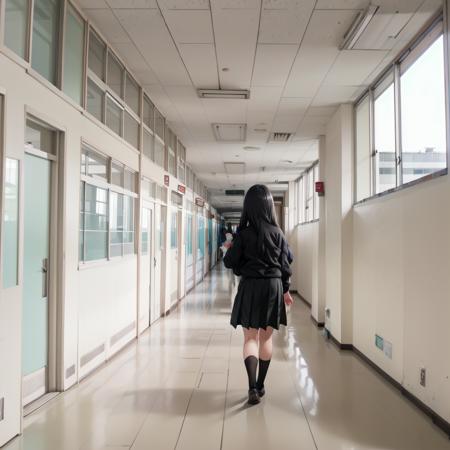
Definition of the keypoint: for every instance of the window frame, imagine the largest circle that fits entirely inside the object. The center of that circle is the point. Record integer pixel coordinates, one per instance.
(413, 51)
(301, 188)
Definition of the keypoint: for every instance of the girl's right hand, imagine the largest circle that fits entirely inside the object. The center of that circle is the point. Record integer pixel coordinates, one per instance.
(288, 300)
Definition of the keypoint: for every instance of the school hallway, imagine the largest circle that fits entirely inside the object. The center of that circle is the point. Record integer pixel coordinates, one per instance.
(183, 386)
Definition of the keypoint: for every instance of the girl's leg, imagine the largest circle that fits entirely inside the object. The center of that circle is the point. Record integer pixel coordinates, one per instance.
(265, 355)
(251, 355)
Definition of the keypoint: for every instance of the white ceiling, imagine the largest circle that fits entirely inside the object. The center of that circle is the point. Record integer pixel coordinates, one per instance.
(284, 51)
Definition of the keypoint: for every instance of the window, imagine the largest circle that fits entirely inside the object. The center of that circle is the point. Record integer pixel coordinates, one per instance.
(131, 133)
(95, 100)
(113, 115)
(362, 115)
(309, 195)
(172, 168)
(16, 26)
(189, 219)
(145, 229)
(181, 156)
(45, 38)
(149, 116)
(11, 224)
(409, 141)
(423, 114)
(73, 56)
(132, 94)
(94, 225)
(306, 198)
(384, 135)
(116, 224)
(106, 211)
(149, 145)
(159, 152)
(159, 124)
(174, 230)
(97, 55)
(316, 195)
(115, 74)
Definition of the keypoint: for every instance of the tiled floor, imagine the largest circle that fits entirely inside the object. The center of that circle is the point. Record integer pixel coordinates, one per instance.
(183, 386)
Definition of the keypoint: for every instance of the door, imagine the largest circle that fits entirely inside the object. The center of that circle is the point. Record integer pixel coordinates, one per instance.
(147, 302)
(189, 252)
(174, 255)
(35, 309)
(200, 248)
(159, 227)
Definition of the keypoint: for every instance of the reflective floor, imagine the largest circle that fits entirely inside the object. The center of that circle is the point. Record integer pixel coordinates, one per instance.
(183, 386)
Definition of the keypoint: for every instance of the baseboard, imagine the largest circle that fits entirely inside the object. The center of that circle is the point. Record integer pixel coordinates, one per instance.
(316, 323)
(436, 418)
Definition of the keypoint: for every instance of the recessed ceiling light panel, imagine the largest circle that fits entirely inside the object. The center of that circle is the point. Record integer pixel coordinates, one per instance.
(236, 94)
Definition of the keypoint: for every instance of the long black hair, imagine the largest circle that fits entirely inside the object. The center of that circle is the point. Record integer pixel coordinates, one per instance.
(258, 210)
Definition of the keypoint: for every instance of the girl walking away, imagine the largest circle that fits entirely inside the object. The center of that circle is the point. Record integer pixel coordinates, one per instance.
(261, 256)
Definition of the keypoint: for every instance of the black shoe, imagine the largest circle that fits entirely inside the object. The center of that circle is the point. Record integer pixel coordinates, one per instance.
(253, 398)
(261, 391)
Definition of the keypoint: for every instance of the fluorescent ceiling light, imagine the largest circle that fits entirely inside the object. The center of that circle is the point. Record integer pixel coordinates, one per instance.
(242, 94)
(358, 27)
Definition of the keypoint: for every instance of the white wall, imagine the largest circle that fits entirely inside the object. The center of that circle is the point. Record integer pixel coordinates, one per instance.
(401, 287)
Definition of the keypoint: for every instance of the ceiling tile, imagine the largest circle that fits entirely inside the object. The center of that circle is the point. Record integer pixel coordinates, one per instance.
(131, 57)
(201, 63)
(352, 67)
(120, 4)
(272, 64)
(190, 26)
(108, 25)
(290, 113)
(237, 4)
(285, 26)
(184, 4)
(93, 4)
(236, 49)
(334, 95)
(341, 4)
(318, 52)
(150, 34)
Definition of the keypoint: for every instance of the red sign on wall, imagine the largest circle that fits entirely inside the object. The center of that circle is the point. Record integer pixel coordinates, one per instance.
(182, 189)
(320, 188)
(166, 180)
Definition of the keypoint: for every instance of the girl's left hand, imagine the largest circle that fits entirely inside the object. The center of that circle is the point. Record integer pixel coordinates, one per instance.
(288, 300)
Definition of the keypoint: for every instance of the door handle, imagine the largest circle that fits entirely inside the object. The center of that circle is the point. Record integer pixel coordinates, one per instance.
(154, 262)
(45, 278)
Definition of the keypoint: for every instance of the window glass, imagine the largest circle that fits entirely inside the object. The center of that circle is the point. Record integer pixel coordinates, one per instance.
(201, 237)
(174, 230)
(129, 180)
(117, 174)
(115, 74)
(73, 56)
(45, 38)
(39, 137)
(145, 227)
(384, 129)
(97, 55)
(96, 165)
(11, 223)
(95, 223)
(316, 195)
(116, 224)
(132, 94)
(131, 133)
(423, 114)
(128, 226)
(95, 98)
(113, 116)
(301, 200)
(309, 195)
(16, 20)
(82, 225)
(189, 235)
(149, 145)
(159, 124)
(159, 153)
(363, 149)
(149, 116)
(172, 163)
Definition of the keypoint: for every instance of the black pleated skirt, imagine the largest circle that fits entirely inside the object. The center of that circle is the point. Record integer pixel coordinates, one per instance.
(259, 303)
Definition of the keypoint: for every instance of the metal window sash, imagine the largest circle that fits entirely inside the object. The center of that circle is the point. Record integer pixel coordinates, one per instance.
(398, 130)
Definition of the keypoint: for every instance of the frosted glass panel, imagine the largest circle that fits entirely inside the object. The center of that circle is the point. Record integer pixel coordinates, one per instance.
(115, 74)
(131, 133)
(73, 56)
(116, 224)
(16, 13)
(132, 94)
(45, 38)
(11, 223)
(97, 52)
(95, 100)
(113, 116)
(128, 226)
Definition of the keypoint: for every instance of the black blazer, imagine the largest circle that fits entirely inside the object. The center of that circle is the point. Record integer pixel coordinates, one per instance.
(246, 259)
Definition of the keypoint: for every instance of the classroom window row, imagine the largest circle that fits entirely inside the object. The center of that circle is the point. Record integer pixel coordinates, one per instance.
(400, 122)
(51, 36)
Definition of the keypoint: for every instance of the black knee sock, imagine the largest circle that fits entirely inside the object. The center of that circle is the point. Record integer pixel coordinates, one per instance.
(263, 368)
(251, 363)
